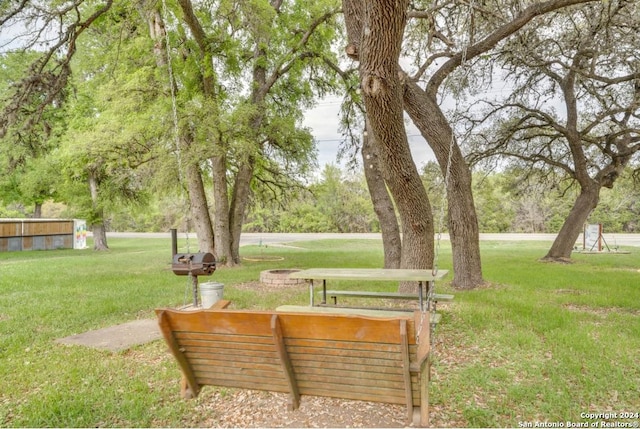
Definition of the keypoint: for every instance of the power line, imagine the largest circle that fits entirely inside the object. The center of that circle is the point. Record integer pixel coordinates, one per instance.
(341, 139)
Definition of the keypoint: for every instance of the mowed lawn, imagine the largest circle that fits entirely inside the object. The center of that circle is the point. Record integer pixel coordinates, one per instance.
(541, 344)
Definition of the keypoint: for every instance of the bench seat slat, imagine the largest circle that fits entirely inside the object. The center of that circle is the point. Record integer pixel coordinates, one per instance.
(443, 297)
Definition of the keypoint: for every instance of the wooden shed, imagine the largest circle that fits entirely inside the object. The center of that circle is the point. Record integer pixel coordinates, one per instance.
(42, 234)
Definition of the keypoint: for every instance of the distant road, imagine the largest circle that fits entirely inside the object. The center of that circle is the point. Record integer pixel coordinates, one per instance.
(612, 240)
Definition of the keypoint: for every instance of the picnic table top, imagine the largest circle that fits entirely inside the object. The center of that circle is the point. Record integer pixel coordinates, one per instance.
(368, 274)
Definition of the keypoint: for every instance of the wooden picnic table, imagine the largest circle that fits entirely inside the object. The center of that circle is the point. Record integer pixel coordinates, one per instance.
(423, 277)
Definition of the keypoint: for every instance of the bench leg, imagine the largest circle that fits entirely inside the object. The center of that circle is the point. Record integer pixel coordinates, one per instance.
(425, 375)
(404, 339)
(422, 322)
(185, 390)
(189, 385)
(287, 368)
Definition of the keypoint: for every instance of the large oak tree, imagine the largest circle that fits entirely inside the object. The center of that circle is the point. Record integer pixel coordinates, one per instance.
(488, 25)
(575, 107)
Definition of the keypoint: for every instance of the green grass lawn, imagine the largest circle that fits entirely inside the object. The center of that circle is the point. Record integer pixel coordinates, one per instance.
(542, 343)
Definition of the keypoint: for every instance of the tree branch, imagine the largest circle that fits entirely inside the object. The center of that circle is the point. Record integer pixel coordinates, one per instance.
(495, 37)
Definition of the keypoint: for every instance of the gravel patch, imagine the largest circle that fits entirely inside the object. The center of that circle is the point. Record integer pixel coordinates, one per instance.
(256, 409)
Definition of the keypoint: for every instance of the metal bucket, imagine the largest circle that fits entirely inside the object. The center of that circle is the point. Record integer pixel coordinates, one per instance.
(211, 292)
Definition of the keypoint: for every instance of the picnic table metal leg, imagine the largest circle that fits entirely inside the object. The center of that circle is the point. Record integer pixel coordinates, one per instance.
(311, 292)
(420, 298)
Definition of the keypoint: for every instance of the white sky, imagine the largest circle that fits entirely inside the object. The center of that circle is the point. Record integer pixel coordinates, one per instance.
(324, 120)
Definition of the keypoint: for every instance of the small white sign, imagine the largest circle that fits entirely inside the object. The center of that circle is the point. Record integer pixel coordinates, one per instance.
(79, 234)
(593, 237)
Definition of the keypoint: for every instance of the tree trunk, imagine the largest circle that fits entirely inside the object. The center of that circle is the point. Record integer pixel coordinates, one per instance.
(97, 215)
(239, 201)
(221, 219)
(199, 209)
(564, 243)
(382, 202)
(37, 210)
(99, 237)
(383, 29)
(463, 223)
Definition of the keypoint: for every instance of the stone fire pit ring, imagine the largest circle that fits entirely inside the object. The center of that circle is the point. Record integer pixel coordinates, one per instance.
(280, 278)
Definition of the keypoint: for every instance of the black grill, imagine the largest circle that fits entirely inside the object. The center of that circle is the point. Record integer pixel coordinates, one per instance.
(195, 264)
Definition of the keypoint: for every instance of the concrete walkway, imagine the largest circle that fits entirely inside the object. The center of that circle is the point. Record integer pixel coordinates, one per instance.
(117, 338)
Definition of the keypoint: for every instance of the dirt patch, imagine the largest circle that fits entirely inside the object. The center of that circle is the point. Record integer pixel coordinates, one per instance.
(569, 292)
(486, 285)
(256, 286)
(256, 409)
(280, 278)
(600, 311)
(263, 258)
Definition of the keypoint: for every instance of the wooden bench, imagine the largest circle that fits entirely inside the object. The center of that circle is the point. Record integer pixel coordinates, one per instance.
(437, 297)
(369, 357)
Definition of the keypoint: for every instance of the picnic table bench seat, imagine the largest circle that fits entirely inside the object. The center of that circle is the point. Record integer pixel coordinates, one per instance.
(368, 356)
(437, 297)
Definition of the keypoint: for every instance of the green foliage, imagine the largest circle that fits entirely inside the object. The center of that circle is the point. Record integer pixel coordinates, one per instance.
(27, 143)
(118, 123)
(305, 218)
(12, 211)
(115, 120)
(494, 207)
(345, 200)
(516, 200)
(337, 203)
(159, 214)
(619, 208)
